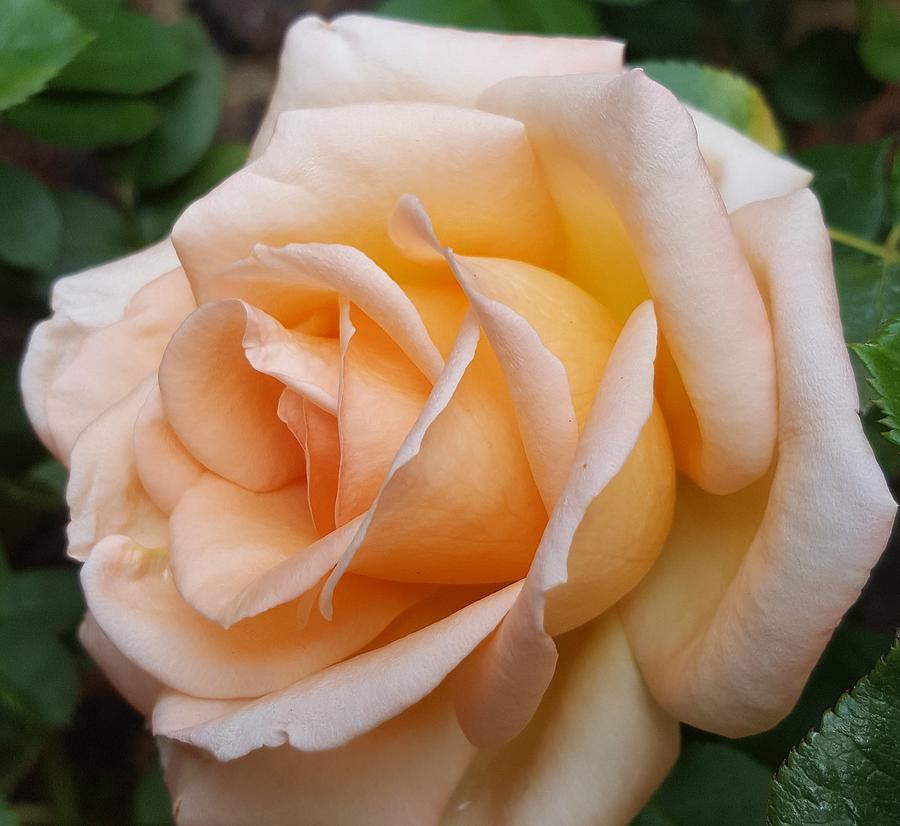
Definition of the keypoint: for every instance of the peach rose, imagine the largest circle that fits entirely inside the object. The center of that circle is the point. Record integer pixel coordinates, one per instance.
(492, 420)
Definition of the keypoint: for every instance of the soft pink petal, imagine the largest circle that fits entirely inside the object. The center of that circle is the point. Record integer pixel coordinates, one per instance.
(399, 774)
(165, 469)
(334, 176)
(637, 147)
(81, 304)
(508, 676)
(743, 170)
(133, 599)
(749, 589)
(337, 705)
(135, 685)
(223, 411)
(104, 493)
(223, 537)
(597, 748)
(357, 59)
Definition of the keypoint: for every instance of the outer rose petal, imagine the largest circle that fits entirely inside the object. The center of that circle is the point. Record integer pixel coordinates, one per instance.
(358, 59)
(108, 369)
(637, 150)
(400, 774)
(594, 752)
(730, 622)
(335, 175)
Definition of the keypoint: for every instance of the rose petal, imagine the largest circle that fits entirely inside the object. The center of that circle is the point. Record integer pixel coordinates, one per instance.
(135, 603)
(638, 148)
(104, 493)
(324, 179)
(400, 774)
(222, 410)
(592, 551)
(597, 748)
(329, 709)
(732, 619)
(743, 170)
(357, 59)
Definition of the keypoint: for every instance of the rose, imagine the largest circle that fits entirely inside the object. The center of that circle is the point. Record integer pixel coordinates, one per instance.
(431, 523)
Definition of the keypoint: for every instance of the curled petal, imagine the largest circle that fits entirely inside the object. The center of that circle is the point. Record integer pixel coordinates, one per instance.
(749, 588)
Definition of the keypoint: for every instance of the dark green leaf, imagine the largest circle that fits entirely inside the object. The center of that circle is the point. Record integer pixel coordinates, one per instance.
(852, 183)
(821, 78)
(36, 663)
(48, 598)
(19, 450)
(473, 14)
(190, 111)
(879, 41)
(7, 816)
(722, 94)
(881, 356)
(152, 805)
(94, 231)
(157, 212)
(847, 772)
(661, 28)
(712, 784)
(92, 13)
(132, 54)
(29, 220)
(22, 728)
(37, 39)
(85, 121)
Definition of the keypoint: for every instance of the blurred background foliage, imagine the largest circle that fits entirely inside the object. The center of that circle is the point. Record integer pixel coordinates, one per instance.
(114, 115)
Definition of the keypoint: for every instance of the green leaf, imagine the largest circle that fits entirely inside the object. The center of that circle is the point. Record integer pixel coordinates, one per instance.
(7, 816)
(190, 113)
(559, 17)
(22, 728)
(661, 28)
(133, 54)
(37, 39)
(852, 183)
(881, 356)
(152, 804)
(85, 121)
(48, 598)
(92, 13)
(37, 664)
(879, 41)
(30, 224)
(848, 771)
(19, 450)
(821, 78)
(94, 231)
(722, 94)
(712, 784)
(157, 212)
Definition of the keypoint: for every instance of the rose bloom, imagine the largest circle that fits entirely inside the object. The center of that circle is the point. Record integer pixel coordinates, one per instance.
(495, 418)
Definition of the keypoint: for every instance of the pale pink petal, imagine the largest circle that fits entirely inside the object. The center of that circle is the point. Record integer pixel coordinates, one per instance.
(399, 774)
(133, 599)
(104, 493)
(382, 395)
(357, 59)
(746, 594)
(81, 304)
(135, 685)
(636, 145)
(109, 362)
(337, 705)
(579, 570)
(743, 170)
(597, 748)
(334, 176)
(166, 470)
(223, 411)
(223, 537)
(289, 280)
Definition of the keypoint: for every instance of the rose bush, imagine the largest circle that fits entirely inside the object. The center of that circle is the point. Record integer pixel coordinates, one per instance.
(493, 419)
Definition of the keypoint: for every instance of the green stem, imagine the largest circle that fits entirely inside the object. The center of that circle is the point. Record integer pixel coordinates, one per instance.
(848, 239)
